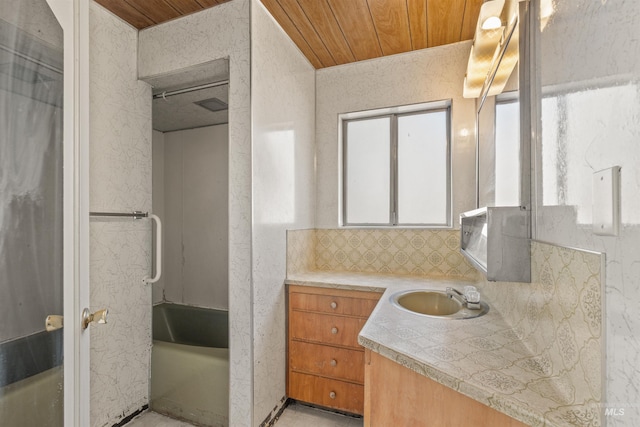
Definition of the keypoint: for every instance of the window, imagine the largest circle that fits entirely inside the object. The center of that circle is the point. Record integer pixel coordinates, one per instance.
(396, 167)
(507, 151)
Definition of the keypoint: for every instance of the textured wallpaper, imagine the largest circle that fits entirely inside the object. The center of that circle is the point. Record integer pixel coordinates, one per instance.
(425, 75)
(120, 251)
(283, 98)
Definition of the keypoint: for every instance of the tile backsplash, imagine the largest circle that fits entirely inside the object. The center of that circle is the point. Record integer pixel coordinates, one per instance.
(301, 246)
(417, 252)
(558, 317)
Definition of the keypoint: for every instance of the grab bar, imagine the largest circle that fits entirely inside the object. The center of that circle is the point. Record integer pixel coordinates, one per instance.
(155, 278)
(134, 214)
(140, 215)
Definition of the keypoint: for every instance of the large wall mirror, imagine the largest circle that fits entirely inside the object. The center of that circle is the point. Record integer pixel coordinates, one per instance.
(501, 224)
(500, 156)
(498, 148)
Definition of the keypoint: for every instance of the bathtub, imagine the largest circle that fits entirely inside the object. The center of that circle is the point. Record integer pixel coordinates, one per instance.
(34, 401)
(190, 364)
(31, 381)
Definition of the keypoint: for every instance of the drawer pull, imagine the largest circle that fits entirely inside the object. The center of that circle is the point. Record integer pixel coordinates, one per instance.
(333, 362)
(334, 305)
(332, 394)
(334, 330)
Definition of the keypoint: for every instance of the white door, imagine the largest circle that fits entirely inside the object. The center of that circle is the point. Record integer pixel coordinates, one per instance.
(43, 212)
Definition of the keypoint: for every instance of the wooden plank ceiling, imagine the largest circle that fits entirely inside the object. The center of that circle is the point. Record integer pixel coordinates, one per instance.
(146, 13)
(334, 32)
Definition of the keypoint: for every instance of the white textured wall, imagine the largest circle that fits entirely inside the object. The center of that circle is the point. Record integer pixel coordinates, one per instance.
(221, 32)
(591, 74)
(420, 76)
(120, 174)
(283, 115)
(195, 194)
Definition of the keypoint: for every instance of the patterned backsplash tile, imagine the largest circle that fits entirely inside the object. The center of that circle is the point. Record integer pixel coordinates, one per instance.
(558, 317)
(419, 252)
(300, 251)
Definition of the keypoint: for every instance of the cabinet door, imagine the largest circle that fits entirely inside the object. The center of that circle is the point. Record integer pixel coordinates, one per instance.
(397, 396)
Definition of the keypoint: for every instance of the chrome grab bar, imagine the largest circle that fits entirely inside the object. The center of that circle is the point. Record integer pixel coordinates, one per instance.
(134, 214)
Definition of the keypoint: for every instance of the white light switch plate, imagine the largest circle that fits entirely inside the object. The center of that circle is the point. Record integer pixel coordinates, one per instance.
(606, 201)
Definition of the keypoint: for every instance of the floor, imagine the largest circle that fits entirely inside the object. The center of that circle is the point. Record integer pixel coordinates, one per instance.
(295, 415)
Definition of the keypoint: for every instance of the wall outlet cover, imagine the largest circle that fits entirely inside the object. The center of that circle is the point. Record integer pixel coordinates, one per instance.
(606, 201)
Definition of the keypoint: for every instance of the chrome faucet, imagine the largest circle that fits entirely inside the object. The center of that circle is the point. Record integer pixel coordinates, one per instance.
(470, 298)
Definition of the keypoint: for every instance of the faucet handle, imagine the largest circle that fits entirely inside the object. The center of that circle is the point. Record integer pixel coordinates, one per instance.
(473, 297)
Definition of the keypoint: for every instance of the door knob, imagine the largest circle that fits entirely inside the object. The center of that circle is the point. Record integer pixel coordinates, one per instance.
(99, 316)
(53, 322)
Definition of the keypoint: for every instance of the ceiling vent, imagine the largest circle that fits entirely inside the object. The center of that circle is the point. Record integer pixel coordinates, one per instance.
(213, 104)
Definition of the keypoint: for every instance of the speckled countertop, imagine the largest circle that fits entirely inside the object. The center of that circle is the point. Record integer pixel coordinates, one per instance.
(483, 358)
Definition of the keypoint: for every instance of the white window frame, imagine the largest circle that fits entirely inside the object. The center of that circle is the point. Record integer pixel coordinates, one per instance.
(393, 113)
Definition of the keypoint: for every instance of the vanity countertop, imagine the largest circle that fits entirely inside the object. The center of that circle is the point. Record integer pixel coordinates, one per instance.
(483, 358)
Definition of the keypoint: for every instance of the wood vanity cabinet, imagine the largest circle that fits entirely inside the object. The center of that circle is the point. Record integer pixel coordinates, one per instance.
(397, 396)
(325, 363)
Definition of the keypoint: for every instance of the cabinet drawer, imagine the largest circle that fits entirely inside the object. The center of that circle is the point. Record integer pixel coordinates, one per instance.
(326, 392)
(332, 304)
(339, 363)
(326, 329)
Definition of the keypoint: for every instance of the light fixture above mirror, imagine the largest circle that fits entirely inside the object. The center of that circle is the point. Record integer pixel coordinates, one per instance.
(494, 52)
(492, 23)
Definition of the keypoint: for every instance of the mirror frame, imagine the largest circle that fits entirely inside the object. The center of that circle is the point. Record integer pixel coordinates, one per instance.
(526, 74)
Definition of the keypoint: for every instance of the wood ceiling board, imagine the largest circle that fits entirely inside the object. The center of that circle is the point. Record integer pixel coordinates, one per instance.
(444, 19)
(209, 3)
(307, 30)
(357, 26)
(126, 12)
(321, 15)
(417, 10)
(157, 10)
(471, 14)
(291, 30)
(185, 7)
(392, 25)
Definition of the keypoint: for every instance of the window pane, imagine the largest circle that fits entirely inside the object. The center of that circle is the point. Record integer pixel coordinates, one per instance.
(367, 171)
(507, 154)
(422, 168)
